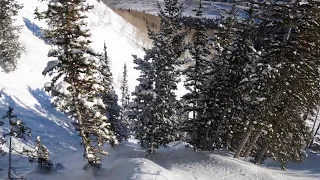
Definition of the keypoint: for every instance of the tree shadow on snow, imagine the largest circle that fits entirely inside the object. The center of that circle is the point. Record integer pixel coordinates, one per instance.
(310, 165)
(45, 104)
(20, 165)
(35, 29)
(52, 126)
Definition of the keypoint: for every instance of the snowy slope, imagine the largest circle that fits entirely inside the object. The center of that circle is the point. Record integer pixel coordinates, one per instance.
(23, 91)
(128, 162)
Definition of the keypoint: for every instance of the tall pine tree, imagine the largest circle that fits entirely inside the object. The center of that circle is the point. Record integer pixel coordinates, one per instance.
(218, 86)
(10, 47)
(110, 98)
(41, 155)
(196, 75)
(17, 129)
(125, 98)
(76, 85)
(168, 44)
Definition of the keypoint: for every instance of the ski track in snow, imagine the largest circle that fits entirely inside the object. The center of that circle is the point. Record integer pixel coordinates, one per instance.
(22, 90)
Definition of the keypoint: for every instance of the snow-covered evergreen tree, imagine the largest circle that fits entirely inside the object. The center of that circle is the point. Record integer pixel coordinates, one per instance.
(220, 82)
(17, 129)
(289, 39)
(196, 76)
(157, 84)
(273, 79)
(76, 85)
(168, 45)
(125, 98)
(181, 116)
(113, 114)
(10, 47)
(41, 156)
(110, 98)
(143, 101)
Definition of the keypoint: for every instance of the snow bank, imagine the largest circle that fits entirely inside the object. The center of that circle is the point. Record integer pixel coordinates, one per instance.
(138, 168)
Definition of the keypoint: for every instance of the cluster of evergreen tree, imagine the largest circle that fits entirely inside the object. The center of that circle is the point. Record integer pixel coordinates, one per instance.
(81, 84)
(110, 98)
(251, 85)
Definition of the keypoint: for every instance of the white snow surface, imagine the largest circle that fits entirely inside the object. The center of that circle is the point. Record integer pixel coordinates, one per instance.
(127, 161)
(23, 90)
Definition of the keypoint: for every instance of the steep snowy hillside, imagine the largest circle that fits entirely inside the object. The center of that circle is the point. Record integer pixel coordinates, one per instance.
(23, 91)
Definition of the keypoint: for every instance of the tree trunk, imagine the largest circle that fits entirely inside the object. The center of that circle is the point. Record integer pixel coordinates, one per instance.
(314, 135)
(243, 142)
(10, 152)
(151, 142)
(262, 151)
(194, 135)
(315, 121)
(312, 130)
(80, 121)
(252, 143)
(205, 140)
(151, 151)
(195, 105)
(216, 134)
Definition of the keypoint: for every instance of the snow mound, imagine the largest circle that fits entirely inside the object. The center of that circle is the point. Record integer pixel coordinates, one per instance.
(207, 165)
(176, 145)
(138, 168)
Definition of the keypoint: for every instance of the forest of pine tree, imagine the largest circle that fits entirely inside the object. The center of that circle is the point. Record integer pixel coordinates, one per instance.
(251, 85)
